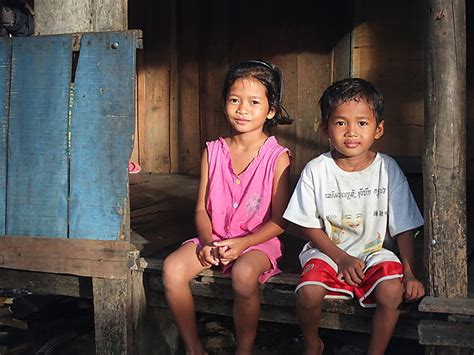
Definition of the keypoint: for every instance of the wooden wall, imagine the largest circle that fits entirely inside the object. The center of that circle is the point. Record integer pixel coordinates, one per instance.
(189, 45)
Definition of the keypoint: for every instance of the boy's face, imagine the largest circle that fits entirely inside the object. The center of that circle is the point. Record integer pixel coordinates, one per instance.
(352, 129)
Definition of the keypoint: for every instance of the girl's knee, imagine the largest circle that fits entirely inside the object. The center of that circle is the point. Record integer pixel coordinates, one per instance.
(174, 270)
(244, 279)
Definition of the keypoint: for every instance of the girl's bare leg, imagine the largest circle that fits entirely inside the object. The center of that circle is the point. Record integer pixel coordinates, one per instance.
(178, 269)
(389, 296)
(245, 274)
(308, 310)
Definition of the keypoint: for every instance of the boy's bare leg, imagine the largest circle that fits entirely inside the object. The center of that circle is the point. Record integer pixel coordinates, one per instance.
(178, 269)
(308, 309)
(245, 273)
(389, 296)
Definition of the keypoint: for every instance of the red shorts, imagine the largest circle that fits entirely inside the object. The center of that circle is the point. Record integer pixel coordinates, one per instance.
(319, 272)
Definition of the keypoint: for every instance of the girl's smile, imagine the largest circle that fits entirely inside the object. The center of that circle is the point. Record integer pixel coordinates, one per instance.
(247, 106)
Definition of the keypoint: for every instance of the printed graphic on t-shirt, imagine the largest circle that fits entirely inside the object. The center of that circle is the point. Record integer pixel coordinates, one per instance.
(356, 212)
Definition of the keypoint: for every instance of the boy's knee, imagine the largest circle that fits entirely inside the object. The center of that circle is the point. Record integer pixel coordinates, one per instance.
(310, 296)
(389, 293)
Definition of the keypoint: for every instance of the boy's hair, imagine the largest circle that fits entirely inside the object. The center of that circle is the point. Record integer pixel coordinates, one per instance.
(351, 89)
(271, 77)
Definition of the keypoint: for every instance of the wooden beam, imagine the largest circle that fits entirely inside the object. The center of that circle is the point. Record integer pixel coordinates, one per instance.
(444, 163)
(433, 332)
(42, 283)
(94, 258)
(464, 306)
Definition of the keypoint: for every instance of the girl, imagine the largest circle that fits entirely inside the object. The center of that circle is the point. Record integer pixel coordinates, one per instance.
(243, 192)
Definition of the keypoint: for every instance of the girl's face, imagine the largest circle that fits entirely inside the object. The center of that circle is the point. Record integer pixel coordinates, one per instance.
(247, 105)
(352, 129)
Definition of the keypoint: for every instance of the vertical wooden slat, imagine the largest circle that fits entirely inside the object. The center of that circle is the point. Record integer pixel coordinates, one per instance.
(37, 186)
(189, 147)
(101, 134)
(280, 46)
(214, 63)
(174, 84)
(444, 168)
(5, 61)
(313, 76)
(154, 117)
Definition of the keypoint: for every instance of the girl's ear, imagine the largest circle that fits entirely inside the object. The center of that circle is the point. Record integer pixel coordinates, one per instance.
(379, 130)
(271, 113)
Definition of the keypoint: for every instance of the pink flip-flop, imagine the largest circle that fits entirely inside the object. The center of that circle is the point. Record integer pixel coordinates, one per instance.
(133, 168)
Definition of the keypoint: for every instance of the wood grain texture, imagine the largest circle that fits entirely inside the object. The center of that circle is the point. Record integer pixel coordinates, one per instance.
(464, 306)
(5, 63)
(102, 134)
(444, 168)
(66, 256)
(37, 186)
(68, 16)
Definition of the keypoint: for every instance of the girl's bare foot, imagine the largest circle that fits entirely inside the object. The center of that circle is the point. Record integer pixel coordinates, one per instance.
(314, 348)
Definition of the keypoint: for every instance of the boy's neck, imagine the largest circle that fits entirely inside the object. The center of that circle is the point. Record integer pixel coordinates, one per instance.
(353, 164)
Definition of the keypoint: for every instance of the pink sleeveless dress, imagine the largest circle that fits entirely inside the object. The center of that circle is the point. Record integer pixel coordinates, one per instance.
(240, 204)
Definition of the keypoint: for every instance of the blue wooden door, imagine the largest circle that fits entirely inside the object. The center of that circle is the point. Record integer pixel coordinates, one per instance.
(67, 134)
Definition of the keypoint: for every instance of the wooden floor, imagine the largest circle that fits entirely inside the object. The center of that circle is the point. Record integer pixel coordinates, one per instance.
(162, 216)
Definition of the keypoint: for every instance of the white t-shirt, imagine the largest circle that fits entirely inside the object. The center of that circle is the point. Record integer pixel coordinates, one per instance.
(357, 210)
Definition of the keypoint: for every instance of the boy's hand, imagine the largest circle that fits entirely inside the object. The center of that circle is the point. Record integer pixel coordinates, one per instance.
(414, 289)
(207, 255)
(230, 249)
(351, 270)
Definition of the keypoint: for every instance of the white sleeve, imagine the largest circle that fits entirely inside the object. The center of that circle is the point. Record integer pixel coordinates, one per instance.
(302, 208)
(403, 213)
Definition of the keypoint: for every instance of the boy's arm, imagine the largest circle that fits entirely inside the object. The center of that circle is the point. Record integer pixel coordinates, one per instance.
(414, 289)
(350, 269)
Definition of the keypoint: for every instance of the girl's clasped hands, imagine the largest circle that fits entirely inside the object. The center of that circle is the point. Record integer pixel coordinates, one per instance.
(221, 252)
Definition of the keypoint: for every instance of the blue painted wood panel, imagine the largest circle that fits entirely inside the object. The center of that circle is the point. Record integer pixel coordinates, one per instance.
(102, 130)
(37, 183)
(5, 53)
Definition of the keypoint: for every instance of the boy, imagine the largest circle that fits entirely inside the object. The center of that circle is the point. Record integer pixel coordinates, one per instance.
(347, 201)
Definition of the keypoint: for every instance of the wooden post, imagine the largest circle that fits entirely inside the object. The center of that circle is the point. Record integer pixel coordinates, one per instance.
(68, 16)
(445, 149)
(444, 163)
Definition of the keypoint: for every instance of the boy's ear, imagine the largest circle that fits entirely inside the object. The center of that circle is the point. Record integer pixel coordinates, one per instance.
(379, 130)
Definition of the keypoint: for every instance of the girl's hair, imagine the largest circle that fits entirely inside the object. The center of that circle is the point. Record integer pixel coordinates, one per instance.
(351, 89)
(271, 77)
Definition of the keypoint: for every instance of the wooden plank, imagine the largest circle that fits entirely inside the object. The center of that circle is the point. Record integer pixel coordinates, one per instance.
(5, 66)
(154, 114)
(102, 134)
(66, 256)
(406, 328)
(111, 313)
(43, 283)
(174, 85)
(463, 306)
(444, 163)
(214, 63)
(189, 148)
(37, 183)
(432, 332)
(314, 74)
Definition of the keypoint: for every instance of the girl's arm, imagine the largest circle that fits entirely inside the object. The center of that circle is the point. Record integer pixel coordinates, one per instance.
(414, 289)
(203, 223)
(350, 268)
(275, 226)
